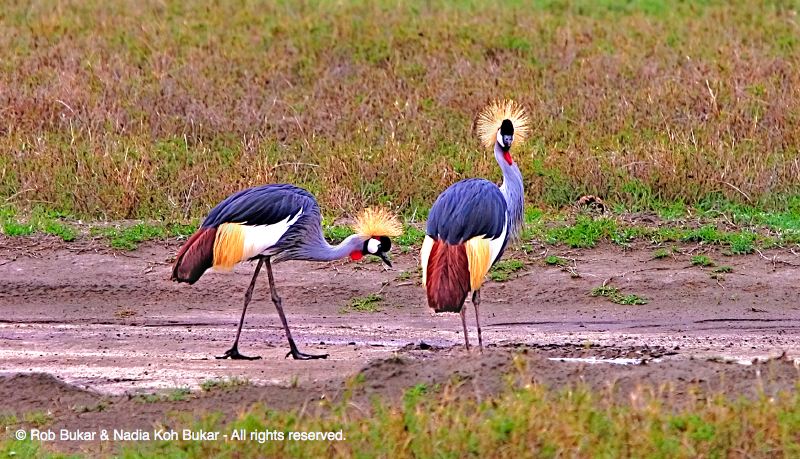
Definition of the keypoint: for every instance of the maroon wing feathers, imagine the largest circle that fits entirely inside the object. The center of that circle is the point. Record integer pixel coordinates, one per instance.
(447, 277)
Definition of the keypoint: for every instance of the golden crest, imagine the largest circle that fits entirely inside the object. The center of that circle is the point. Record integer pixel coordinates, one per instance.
(492, 116)
(378, 222)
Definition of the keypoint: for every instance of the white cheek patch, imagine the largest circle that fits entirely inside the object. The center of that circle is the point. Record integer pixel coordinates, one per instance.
(499, 138)
(373, 245)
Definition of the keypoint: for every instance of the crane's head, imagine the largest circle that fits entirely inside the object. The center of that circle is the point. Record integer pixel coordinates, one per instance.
(505, 135)
(500, 124)
(375, 227)
(378, 246)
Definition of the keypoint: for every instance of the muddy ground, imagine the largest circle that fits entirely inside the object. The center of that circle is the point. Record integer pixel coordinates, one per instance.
(84, 328)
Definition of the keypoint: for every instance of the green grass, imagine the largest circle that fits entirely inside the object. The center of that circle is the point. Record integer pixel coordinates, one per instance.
(502, 270)
(723, 269)
(615, 296)
(200, 102)
(702, 260)
(37, 418)
(521, 420)
(180, 394)
(367, 303)
(554, 260)
(222, 384)
(662, 253)
(39, 220)
(129, 237)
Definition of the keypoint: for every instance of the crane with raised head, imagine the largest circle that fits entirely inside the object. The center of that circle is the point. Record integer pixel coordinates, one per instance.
(270, 224)
(473, 220)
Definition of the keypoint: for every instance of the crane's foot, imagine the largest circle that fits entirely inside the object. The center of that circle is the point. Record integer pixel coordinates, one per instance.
(297, 355)
(233, 354)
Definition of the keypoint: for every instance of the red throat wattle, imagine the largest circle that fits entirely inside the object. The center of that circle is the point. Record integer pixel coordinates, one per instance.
(356, 255)
(507, 157)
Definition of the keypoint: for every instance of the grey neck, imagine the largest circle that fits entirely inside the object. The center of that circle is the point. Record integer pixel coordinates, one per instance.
(319, 250)
(512, 190)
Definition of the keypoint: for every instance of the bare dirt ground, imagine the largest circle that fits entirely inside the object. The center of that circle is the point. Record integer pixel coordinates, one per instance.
(82, 328)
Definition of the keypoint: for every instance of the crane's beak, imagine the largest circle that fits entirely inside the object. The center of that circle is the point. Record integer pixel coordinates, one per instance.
(385, 259)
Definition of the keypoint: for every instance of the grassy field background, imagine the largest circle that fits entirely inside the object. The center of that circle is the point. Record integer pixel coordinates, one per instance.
(159, 109)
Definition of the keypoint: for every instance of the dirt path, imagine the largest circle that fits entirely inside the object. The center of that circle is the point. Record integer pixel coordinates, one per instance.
(114, 322)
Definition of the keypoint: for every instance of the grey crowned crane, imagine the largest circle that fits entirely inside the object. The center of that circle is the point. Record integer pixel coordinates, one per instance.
(471, 222)
(274, 223)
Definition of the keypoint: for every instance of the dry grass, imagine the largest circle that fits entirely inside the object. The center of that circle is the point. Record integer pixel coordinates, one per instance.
(522, 420)
(161, 108)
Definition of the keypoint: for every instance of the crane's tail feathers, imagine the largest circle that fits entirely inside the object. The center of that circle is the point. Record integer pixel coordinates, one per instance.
(195, 257)
(447, 278)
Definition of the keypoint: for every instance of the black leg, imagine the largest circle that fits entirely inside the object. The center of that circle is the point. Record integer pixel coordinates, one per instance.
(233, 352)
(297, 355)
(476, 301)
(464, 324)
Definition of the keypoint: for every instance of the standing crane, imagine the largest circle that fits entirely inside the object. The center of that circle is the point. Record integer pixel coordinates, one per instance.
(471, 222)
(274, 223)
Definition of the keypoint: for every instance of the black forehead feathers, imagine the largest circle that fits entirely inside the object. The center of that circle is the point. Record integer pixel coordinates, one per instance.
(386, 243)
(507, 128)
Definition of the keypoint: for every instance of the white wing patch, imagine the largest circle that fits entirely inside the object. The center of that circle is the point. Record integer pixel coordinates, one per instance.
(496, 244)
(258, 239)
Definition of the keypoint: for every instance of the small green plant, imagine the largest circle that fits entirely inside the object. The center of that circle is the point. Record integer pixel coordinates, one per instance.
(56, 228)
(615, 296)
(179, 394)
(586, 232)
(366, 304)
(553, 260)
(37, 418)
(8, 419)
(661, 253)
(14, 229)
(222, 384)
(502, 270)
(723, 269)
(742, 243)
(407, 274)
(149, 398)
(702, 260)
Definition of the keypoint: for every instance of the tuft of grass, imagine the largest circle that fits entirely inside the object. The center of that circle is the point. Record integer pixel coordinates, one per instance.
(8, 420)
(129, 237)
(223, 384)
(702, 260)
(723, 269)
(367, 303)
(179, 394)
(662, 253)
(615, 296)
(502, 270)
(411, 236)
(554, 260)
(15, 229)
(586, 232)
(37, 418)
